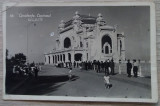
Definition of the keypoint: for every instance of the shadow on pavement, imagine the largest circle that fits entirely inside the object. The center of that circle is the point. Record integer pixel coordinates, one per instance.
(74, 78)
(42, 85)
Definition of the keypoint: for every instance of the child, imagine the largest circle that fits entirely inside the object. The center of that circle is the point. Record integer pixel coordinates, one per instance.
(70, 73)
(107, 82)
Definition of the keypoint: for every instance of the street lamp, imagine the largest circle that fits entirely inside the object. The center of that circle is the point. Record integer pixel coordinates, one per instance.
(28, 25)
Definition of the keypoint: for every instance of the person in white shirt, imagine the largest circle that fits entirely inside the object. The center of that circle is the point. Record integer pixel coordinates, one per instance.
(70, 74)
(107, 81)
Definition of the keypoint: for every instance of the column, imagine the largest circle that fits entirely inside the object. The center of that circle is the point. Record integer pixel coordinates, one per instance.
(72, 57)
(123, 49)
(66, 57)
(46, 59)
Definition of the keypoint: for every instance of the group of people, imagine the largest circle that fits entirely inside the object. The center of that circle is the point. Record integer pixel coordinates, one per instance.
(130, 65)
(133, 65)
(29, 70)
(100, 66)
(108, 67)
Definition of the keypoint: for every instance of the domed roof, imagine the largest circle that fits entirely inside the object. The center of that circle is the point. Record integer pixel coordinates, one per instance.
(86, 19)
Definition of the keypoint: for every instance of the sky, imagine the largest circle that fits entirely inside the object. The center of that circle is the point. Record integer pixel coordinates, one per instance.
(134, 21)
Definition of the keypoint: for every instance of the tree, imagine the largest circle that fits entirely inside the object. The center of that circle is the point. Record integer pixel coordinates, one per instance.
(20, 59)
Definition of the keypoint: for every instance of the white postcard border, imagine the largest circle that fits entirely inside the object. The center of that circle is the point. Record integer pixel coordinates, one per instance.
(154, 87)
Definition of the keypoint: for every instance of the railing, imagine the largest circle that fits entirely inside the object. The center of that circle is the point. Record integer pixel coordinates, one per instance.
(144, 69)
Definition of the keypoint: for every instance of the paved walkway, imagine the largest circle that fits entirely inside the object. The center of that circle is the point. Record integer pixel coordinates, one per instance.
(54, 81)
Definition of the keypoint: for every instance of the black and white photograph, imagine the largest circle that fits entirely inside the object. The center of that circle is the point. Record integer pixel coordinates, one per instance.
(104, 52)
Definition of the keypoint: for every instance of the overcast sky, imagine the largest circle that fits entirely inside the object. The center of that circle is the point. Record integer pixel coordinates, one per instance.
(133, 21)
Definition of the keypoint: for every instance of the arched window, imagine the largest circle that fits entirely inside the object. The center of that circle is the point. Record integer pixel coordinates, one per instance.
(107, 48)
(81, 45)
(106, 44)
(67, 43)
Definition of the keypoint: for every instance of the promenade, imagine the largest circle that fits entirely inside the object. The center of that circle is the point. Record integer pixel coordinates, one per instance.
(85, 83)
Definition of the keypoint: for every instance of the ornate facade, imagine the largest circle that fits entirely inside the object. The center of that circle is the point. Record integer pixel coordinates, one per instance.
(87, 38)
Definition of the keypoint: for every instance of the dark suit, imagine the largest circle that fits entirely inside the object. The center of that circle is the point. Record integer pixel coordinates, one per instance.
(106, 65)
(98, 67)
(129, 67)
(112, 67)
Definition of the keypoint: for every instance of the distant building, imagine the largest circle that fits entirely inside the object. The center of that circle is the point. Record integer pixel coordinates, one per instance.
(87, 38)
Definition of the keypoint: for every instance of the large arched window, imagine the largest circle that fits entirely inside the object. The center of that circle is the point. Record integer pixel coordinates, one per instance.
(106, 44)
(67, 43)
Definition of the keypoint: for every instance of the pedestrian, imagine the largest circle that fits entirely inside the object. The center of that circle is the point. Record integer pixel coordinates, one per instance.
(86, 65)
(70, 73)
(89, 65)
(14, 69)
(36, 72)
(135, 68)
(107, 67)
(98, 67)
(129, 67)
(112, 66)
(77, 64)
(95, 65)
(107, 82)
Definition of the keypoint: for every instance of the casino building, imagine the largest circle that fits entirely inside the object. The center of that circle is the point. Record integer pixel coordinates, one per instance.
(87, 38)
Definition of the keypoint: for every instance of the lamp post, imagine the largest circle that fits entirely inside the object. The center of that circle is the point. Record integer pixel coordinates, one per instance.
(28, 25)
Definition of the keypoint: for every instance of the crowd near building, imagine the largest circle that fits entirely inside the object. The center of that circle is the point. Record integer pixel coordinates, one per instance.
(86, 38)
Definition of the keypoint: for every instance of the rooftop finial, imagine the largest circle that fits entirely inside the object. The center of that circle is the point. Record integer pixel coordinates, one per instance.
(62, 21)
(99, 18)
(61, 25)
(99, 15)
(76, 12)
(122, 33)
